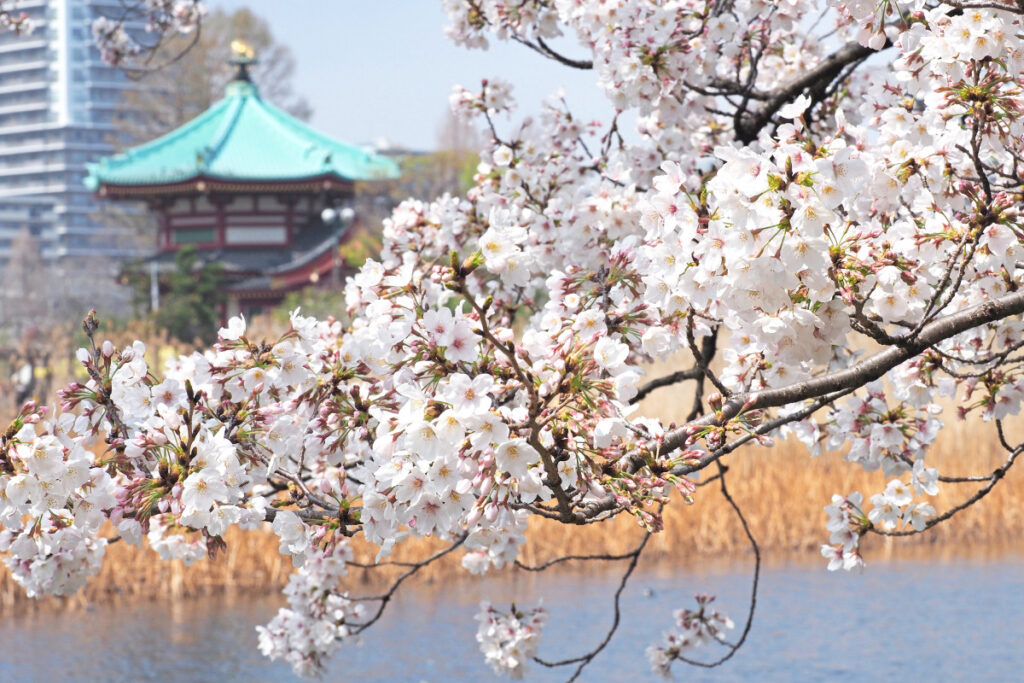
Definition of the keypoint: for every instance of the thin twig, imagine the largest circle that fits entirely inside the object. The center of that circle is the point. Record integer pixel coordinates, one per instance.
(733, 648)
(385, 598)
(993, 479)
(569, 558)
(585, 659)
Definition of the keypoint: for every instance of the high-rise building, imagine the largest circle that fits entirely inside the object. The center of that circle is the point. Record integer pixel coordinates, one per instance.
(57, 103)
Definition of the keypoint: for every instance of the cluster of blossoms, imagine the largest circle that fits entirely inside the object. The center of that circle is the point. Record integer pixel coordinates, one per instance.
(509, 640)
(695, 628)
(162, 19)
(49, 480)
(783, 204)
(847, 523)
(15, 22)
(890, 508)
(894, 505)
(317, 619)
(893, 438)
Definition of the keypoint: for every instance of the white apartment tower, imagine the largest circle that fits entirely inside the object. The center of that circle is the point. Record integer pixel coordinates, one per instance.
(57, 101)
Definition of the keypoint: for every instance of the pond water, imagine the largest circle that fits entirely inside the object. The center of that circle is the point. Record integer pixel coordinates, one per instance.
(912, 620)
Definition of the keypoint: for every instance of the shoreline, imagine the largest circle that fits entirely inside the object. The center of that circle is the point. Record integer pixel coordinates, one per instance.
(95, 596)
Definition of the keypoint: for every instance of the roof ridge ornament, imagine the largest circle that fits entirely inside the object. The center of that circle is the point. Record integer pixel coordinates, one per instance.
(242, 57)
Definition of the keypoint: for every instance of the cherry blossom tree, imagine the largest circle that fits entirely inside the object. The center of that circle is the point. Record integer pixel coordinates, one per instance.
(818, 206)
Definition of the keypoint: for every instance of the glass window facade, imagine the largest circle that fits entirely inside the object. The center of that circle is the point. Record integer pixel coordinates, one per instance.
(57, 101)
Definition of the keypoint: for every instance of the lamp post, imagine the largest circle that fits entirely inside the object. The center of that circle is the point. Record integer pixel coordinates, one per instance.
(154, 286)
(341, 220)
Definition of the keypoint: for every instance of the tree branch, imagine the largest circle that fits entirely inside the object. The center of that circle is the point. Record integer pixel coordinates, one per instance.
(993, 479)
(749, 125)
(866, 371)
(733, 648)
(542, 48)
(666, 381)
(583, 660)
(385, 598)
(567, 558)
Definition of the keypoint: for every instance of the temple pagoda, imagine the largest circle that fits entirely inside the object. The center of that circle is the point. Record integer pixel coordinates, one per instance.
(248, 186)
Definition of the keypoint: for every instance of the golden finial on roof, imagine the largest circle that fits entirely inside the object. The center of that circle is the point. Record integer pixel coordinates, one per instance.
(243, 50)
(242, 57)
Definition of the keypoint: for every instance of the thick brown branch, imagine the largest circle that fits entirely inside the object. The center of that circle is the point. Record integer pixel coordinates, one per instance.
(666, 381)
(858, 375)
(540, 47)
(762, 430)
(750, 124)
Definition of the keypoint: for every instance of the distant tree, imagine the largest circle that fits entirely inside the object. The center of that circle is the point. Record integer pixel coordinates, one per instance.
(425, 175)
(433, 173)
(190, 305)
(450, 167)
(41, 303)
(24, 302)
(180, 91)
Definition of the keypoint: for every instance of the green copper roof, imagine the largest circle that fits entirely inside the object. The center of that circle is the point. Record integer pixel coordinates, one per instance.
(242, 137)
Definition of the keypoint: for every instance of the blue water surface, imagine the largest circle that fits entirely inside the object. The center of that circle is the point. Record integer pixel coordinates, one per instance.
(907, 620)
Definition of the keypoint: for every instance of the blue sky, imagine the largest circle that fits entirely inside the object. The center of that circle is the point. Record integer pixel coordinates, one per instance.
(383, 68)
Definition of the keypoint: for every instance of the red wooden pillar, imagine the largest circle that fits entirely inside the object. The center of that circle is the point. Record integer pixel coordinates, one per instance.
(165, 227)
(289, 220)
(222, 221)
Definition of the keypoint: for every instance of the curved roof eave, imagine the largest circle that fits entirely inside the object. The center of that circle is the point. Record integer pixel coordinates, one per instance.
(241, 138)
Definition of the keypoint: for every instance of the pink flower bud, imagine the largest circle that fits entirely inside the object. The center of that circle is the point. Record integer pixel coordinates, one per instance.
(474, 514)
(467, 468)
(488, 484)
(491, 513)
